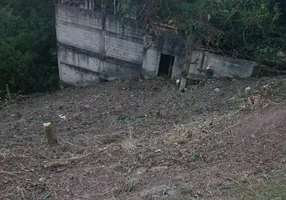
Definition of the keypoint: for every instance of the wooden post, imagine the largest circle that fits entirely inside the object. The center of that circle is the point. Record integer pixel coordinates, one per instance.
(8, 92)
(247, 92)
(49, 134)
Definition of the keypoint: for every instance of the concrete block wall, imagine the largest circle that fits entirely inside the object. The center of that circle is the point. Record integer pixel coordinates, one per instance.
(223, 66)
(178, 67)
(197, 62)
(151, 62)
(82, 36)
(226, 66)
(76, 75)
(123, 49)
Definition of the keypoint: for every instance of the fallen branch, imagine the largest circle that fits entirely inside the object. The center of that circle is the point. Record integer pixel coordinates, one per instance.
(62, 162)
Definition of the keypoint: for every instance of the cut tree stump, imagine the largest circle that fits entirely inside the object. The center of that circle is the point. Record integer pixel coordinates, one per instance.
(247, 92)
(48, 127)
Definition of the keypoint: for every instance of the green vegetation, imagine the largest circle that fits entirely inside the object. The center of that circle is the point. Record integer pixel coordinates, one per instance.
(265, 190)
(27, 46)
(253, 29)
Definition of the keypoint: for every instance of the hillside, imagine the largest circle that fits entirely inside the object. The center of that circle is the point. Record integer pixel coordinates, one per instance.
(145, 140)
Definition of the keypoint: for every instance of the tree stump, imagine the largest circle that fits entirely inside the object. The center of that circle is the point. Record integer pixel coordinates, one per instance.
(49, 134)
(247, 92)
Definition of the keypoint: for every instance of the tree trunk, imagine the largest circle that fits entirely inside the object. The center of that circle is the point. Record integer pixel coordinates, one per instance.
(192, 43)
(186, 66)
(8, 92)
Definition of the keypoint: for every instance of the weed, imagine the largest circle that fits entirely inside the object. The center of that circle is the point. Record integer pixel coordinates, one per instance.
(186, 192)
(195, 158)
(266, 190)
(122, 117)
(129, 187)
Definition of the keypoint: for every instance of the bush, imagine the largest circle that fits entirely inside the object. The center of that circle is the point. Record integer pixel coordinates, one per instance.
(27, 46)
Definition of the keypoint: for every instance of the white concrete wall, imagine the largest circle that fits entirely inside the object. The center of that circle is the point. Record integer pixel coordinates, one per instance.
(223, 66)
(74, 76)
(151, 62)
(124, 49)
(226, 66)
(81, 40)
(78, 36)
(194, 74)
(178, 67)
(70, 57)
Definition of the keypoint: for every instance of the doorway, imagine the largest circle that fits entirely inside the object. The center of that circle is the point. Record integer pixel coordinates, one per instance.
(166, 65)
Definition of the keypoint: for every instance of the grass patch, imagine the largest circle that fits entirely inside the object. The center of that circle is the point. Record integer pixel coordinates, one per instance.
(267, 190)
(271, 190)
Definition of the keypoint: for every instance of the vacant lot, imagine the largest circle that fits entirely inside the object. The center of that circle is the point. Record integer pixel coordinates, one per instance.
(133, 139)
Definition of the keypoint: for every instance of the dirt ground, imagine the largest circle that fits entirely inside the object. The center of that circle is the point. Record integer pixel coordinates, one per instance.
(132, 139)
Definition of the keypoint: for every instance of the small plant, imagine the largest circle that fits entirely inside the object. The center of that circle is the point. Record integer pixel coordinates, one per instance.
(136, 118)
(122, 117)
(262, 170)
(186, 192)
(195, 158)
(191, 198)
(129, 187)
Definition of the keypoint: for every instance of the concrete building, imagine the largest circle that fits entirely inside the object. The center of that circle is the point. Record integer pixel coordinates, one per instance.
(94, 46)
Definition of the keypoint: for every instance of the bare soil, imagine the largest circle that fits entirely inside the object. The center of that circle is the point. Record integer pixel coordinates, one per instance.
(132, 139)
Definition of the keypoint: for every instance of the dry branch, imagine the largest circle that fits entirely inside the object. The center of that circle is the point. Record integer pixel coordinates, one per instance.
(62, 162)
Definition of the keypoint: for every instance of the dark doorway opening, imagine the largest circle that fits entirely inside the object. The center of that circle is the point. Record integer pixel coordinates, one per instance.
(166, 65)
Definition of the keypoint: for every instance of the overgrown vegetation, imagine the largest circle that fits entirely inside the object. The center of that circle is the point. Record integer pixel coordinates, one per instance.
(253, 29)
(27, 46)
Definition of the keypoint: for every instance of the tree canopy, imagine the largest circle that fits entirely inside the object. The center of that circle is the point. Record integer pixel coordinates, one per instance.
(27, 45)
(251, 29)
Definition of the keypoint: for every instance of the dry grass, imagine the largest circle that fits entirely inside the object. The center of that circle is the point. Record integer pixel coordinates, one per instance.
(99, 155)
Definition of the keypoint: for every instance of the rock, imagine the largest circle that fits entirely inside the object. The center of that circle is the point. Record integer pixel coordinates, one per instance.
(217, 90)
(157, 151)
(41, 179)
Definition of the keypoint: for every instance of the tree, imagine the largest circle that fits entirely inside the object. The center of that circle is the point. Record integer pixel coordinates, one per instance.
(251, 29)
(27, 46)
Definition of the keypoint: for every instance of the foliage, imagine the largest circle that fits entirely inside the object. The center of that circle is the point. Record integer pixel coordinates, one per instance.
(27, 45)
(125, 7)
(246, 28)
